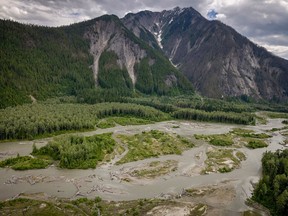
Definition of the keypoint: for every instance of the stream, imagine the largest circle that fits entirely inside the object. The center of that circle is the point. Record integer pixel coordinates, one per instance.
(104, 180)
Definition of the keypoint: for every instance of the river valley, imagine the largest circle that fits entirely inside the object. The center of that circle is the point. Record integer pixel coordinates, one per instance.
(115, 182)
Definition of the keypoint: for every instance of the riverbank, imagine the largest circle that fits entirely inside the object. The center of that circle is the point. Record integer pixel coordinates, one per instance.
(108, 180)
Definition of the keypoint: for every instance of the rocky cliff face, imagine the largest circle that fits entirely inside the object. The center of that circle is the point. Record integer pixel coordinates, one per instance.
(108, 34)
(214, 57)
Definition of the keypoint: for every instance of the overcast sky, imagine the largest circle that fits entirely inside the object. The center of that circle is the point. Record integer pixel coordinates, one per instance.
(263, 21)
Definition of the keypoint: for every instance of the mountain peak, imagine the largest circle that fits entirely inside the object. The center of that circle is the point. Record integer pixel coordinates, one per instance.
(213, 56)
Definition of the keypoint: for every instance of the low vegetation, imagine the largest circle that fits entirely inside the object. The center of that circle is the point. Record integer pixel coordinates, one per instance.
(278, 129)
(276, 115)
(199, 210)
(155, 169)
(251, 140)
(84, 206)
(236, 136)
(105, 123)
(27, 206)
(217, 139)
(112, 121)
(77, 151)
(255, 143)
(222, 160)
(25, 163)
(251, 213)
(152, 144)
(272, 191)
(250, 133)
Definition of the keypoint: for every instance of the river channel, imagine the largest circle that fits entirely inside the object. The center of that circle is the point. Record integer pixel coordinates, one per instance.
(104, 182)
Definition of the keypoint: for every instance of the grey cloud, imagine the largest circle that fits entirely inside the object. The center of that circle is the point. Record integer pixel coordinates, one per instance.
(257, 17)
(263, 21)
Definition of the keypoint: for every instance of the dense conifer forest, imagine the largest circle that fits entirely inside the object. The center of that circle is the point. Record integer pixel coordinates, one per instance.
(43, 62)
(272, 189)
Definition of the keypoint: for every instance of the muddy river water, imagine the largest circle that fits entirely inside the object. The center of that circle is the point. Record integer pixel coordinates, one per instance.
(104, 181)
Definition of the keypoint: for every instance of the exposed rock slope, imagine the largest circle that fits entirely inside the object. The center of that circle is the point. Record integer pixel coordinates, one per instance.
(108, 35)
(214, 57)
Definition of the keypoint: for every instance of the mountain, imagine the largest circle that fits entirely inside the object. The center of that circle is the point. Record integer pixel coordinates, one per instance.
(213, 56)
(40, 62)
(153, 53)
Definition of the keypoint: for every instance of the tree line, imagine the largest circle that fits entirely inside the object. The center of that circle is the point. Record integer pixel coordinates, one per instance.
(41, 119)
(76, 151)
(216, 116)
(272, 189)
(31, 120)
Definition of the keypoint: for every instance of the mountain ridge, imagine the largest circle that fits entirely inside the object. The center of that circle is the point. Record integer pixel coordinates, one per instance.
(142, 53)
(213, 56)
(47, 62)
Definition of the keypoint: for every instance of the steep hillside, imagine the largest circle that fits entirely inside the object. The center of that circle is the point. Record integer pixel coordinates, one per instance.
(42, 62)
(214, 57)
(121, 60)
(107, 56)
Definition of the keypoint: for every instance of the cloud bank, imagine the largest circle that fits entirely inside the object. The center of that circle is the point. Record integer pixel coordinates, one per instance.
(262, 21)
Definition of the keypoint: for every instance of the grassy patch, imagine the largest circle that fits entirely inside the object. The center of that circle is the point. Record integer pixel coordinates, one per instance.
(23, 206)
(241, 156)
(156, 168)
(249, 133)
(106, 123)
(25, 163)
(278, 129)
(285, 122)
(199, 210)
(222, 160)
(261, 119)
(112, 121)
(97, 206)
(276, 115)
(217, 139)
(255, 143)
(251, 213)
(239, 136)
(257, 135)
(250, 139)
(197, 192)
(77, 151)
(130, 121)
(152, 144)
(118, 150)
(129, 208)
(240, 131)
